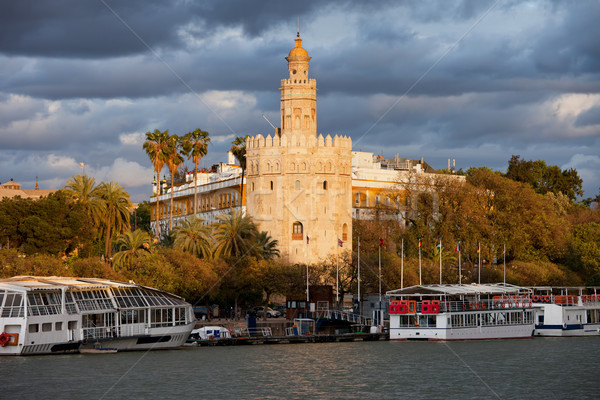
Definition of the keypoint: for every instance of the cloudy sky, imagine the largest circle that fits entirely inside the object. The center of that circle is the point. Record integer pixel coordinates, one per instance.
(475, 81)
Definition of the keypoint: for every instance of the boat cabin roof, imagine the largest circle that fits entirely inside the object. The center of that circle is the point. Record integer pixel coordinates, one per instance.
(54, 283)
(455, 290)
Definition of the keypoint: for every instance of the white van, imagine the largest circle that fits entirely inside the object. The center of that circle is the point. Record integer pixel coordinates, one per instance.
(210, 333)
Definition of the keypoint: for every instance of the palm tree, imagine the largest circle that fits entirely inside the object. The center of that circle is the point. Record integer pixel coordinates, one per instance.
(132, 245)
(83, 189)
(195, 146)
(194, 237)
(115, 216)
(173, 161)
(155, 147)
(235, 235)
(267, 246)
(239, 151)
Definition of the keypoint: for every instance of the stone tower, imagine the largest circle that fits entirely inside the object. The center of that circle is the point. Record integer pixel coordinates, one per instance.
(299, 184)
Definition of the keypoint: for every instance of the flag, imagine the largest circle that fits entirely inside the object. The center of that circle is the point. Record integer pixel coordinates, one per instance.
(340, 243)
(504, 250)
(419, 243)
(81, 165)
(478, 249)
(307, 240)
(457, 247)
(380, 242)
(439, 245)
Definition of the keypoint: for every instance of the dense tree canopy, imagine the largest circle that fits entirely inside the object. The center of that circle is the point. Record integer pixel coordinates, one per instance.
(545, 178)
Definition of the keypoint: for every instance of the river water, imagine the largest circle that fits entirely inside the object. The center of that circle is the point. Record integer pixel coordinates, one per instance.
(540, 368)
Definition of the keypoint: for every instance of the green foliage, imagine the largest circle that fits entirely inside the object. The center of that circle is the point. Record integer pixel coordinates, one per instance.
(267, 246)
(142, 216)
(132, 246)
(545, 178)
(194, 237)
(584, 249)
(235, 236)
(52, 225)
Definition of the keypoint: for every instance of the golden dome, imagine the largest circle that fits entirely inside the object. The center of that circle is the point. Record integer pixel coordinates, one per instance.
(298, 51)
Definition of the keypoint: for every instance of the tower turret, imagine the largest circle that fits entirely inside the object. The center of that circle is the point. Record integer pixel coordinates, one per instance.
(298, 95)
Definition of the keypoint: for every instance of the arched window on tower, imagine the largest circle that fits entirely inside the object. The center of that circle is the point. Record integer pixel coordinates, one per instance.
(324, 185)
(297, 185)
(345, 232)
(271, 185)
(297, 230)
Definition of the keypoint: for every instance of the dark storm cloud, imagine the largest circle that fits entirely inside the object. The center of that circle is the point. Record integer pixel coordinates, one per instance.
(77, 85)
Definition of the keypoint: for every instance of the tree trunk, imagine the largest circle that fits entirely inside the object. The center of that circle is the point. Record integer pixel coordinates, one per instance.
(157, 206)
(171, 210)
(195, 190)
(242, 189)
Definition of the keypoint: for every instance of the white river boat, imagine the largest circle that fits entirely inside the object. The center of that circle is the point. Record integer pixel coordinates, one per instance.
(566, 311)
(461, 312)
(51, 315)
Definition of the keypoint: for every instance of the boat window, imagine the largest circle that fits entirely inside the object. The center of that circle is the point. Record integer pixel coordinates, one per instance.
(13, 305)
(43, 303)
(47, 327)
(72, 325)
(34, 328)
(58, 326)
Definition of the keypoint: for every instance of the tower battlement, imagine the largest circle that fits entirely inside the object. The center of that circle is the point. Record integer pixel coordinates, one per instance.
(312, 83)
(259, 141)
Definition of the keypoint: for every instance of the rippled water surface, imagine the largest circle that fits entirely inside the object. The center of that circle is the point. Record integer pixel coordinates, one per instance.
(567, 368)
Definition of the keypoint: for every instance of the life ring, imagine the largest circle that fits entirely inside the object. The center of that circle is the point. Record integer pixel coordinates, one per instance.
(503, 305)
(536, 298)
(4, 339)
(13, 339)
(464, 306)
(483, 306)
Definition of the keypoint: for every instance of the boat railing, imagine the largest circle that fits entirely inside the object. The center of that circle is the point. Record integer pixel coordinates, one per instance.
(103, 332)
(440, 306)
(346, 316)
(259, 331)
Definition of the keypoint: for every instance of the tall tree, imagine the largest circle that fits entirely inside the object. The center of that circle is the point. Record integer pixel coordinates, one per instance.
(174, 161)
(156, 148)
(132, 245)
(267, 246)
(194, 237)
(235, 235)
(83, 189)
(195, 146)
(238, 149)
(115, 216)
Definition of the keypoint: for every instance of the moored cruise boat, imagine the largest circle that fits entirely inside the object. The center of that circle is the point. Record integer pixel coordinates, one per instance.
(49, 315)
(566, 311)
(460, 312)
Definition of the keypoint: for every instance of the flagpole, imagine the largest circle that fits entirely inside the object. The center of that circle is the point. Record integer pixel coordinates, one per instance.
(402, 267)
(337, 274)
(380, 272)
(307, 296)
(440, 261)
(359, 302)
(459, 268)
(504, 255)
(479, 269)
(420, 280)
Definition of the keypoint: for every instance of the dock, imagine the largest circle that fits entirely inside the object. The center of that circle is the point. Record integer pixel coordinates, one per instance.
(254, 340)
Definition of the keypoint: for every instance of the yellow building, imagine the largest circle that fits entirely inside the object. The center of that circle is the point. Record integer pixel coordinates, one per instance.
(301, 187)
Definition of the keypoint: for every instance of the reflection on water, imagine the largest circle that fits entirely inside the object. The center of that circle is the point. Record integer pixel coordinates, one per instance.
(507, 369)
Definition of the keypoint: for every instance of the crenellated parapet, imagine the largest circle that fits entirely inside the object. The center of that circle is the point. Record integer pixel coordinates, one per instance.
(311, 83)
(259, 141)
